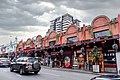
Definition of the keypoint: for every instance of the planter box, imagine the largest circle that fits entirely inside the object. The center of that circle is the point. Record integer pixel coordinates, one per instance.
(96, 68)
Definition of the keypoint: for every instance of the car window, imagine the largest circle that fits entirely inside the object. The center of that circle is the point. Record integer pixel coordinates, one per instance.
(18, 60)
(32, 60)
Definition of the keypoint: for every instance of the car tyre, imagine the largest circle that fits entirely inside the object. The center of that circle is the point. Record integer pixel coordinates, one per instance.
(11, 69)
(21, 71)
(36, 72)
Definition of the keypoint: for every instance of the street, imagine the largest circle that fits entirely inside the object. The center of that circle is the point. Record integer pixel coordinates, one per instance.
(44, 74)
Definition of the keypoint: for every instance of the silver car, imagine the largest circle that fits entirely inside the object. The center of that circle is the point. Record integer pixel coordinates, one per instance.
(5, 62)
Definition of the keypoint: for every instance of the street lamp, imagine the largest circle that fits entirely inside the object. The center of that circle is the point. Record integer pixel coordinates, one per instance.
(115, 47)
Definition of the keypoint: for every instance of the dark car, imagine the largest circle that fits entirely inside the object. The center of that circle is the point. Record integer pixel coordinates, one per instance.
(5, 62)
(107, 77)
(25, 65)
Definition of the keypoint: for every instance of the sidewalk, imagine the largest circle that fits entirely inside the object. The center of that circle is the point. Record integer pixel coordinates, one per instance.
(78, 71)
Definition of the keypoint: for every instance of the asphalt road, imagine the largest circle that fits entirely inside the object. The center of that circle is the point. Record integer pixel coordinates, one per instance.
(44, 74)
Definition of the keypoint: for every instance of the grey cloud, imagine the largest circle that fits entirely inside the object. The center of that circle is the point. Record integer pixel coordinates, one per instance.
(87, 4)
(35, 10)
(16, 15)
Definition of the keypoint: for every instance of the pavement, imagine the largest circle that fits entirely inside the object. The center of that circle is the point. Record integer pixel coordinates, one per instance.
(78, 71)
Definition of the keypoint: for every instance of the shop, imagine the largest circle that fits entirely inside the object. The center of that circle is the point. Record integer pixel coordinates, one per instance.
(76, 47)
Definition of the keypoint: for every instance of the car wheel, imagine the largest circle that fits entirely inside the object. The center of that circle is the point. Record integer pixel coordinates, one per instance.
(36, 72)
(21, 71)
(11, 68)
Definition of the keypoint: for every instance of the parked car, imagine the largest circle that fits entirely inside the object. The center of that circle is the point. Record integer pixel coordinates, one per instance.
(25, 65)
(106, 77)
(5, 62)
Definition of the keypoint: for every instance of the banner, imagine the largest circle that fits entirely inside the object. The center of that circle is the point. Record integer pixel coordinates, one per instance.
(118, 62)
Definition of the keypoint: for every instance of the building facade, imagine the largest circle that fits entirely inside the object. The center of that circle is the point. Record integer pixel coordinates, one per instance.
(75, 46)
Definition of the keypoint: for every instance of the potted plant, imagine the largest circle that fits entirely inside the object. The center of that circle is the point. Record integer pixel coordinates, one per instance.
(95, 54)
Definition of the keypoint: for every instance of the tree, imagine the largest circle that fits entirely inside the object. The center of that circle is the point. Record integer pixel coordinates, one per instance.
(95, 54)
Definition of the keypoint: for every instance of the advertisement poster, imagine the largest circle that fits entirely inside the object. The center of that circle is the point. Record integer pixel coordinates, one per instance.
(67, 61)
(118, 62)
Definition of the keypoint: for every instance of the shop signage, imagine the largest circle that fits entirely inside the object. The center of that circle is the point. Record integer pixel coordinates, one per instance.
(102, 33)
(72, 39)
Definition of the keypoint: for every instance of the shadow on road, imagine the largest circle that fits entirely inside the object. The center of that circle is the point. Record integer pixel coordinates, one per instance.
(26, 74)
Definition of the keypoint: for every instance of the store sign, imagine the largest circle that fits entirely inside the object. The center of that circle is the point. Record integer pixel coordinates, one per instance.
(72, 39)
(102, 33)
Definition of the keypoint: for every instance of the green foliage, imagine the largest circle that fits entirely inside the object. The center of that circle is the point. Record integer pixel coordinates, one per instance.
(95, 54)
(92, 36)
(63, 33)
(111, 33)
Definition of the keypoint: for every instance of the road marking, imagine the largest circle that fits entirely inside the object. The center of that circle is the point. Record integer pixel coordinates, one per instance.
(18, 75)
(50, 74)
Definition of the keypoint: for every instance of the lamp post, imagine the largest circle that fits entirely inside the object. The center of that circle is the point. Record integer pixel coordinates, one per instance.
(115, 46)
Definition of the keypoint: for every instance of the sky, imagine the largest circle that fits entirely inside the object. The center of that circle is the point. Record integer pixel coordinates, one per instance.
(28, 18)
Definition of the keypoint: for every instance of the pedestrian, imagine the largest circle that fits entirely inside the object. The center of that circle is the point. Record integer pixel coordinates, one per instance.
(48, 62)
(86, 65)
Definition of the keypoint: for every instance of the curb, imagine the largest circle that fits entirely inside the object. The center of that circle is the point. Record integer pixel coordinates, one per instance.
(78, 71)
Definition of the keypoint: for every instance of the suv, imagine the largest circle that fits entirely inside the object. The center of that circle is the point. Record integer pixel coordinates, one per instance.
(25, 65)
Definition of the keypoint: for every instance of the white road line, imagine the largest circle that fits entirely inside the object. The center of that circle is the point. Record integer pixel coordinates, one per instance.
(18, 75)
(50, 74)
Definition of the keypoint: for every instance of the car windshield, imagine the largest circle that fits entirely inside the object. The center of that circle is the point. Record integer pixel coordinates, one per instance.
(32, 60)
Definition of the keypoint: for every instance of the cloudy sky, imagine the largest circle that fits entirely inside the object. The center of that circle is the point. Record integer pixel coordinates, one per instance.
(29, 18)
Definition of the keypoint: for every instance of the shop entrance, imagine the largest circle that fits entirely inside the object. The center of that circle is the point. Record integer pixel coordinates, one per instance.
(91, 61)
